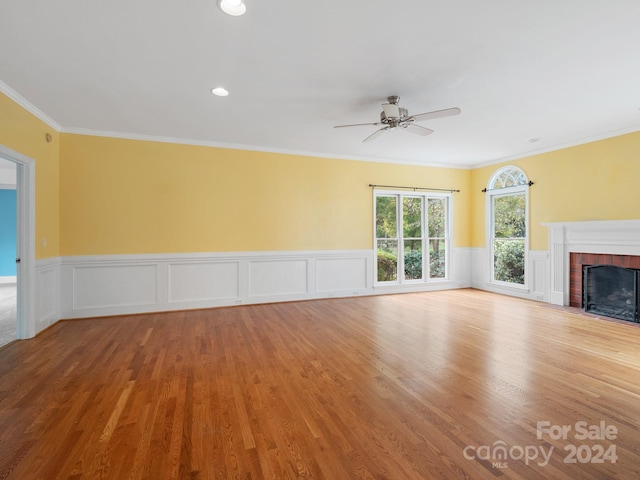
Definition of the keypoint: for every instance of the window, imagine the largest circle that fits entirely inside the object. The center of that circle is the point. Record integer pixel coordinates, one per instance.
(507, 199)
(412, 237)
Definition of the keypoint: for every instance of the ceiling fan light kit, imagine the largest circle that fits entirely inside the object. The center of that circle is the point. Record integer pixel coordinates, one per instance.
(394, 116)
(390, 111)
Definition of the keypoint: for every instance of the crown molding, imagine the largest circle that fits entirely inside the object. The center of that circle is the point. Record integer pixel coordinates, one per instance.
(28, 106)
(31, 108)
(182, 141)
(253, 148)
(562, 146)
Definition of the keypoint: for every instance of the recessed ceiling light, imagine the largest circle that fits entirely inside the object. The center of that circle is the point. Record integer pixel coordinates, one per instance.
(232, 7)
(219, 91)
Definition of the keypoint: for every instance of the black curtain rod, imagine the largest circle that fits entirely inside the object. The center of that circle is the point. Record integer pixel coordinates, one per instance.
(485, 190)
(415, 188)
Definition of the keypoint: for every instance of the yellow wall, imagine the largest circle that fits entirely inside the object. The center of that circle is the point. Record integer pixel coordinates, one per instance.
(24, 133)
(97, 195)
(128, 196)
(593, 181)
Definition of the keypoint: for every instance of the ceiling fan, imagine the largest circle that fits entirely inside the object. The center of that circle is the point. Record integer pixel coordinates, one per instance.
(393, 116)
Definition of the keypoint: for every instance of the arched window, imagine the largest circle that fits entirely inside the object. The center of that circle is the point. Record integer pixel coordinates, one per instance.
(507, 208)
(508, 177)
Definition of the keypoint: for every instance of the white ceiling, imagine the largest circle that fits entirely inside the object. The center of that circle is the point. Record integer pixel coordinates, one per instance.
(563, 72)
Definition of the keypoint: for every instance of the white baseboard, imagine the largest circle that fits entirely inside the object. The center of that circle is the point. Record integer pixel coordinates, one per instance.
(8, 280)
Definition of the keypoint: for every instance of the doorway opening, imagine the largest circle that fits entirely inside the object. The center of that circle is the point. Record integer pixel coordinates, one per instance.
(22, 297)
(8, 251)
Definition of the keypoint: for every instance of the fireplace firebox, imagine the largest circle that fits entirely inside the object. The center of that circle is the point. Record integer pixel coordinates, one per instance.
(611, 291)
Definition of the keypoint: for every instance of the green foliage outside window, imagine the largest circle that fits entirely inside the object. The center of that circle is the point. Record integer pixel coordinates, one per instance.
(411, 236)
(386, 217)
(412, 217)
(508, 261)
(387, 266)
(509, 218)
(413, 265)
(437, 259)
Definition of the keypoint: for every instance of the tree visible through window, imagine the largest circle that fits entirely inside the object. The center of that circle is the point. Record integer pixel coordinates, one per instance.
(437, 215)
(387, 237)
(411, 237)
(508, 210)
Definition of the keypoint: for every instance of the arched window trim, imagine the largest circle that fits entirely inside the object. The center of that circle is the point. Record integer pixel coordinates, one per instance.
(510, 171)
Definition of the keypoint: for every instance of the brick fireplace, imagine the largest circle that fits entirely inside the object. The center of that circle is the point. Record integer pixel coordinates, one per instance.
(579, 260)
(573, 245)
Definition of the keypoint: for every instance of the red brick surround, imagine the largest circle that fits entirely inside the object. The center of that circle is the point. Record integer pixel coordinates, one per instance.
(576, 262)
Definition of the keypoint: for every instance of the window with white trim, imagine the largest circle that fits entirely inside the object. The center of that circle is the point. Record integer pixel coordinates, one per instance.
(507, 208)
(412, 236)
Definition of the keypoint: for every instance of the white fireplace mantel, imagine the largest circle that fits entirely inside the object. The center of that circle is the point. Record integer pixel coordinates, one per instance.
(620, 237)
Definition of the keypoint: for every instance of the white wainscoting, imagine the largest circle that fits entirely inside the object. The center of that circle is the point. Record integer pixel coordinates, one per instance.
(90, 286)
(539, 279)
(272, 277)
(197, 282)
(119, 286)
(123, 284)
(538, 282)
(460, 271)
(47, 293)
(342, 275)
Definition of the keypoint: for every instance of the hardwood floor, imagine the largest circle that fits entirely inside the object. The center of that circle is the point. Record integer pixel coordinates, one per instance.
(414, 386)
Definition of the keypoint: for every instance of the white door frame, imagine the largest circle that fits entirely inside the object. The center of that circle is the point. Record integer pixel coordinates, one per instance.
(25, 242)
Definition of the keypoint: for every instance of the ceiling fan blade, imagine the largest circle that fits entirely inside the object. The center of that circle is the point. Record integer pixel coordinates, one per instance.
(375, 134)
(447, 112)
(356, 125)
(417, 129)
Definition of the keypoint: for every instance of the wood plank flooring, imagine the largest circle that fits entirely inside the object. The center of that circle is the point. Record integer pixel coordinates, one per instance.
(413, 386)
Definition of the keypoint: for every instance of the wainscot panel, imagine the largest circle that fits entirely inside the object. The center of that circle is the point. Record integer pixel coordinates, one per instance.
(123, 284)
(99, 286)
(189, 282)
(47, 293)
(341, 274)
(278, 277)
(461, 266)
